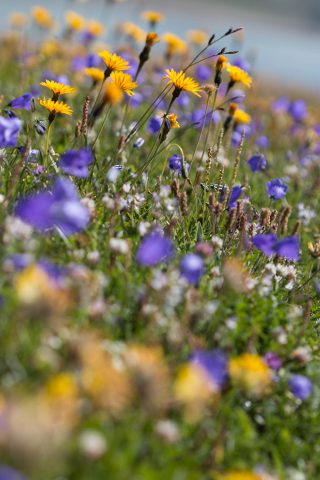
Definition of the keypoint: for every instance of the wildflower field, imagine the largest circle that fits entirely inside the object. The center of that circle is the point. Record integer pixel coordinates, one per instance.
(160, 257)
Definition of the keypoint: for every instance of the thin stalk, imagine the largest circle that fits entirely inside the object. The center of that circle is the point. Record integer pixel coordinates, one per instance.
(46, 150)
(102, 125)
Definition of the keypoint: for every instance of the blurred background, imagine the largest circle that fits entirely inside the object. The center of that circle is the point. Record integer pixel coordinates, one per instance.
(281, 37)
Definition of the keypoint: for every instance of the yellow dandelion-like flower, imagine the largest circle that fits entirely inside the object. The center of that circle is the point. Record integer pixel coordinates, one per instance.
(182, 83)
(95, 28)
(112, 94)
(153, 17)
(58, 88)
(42, 17)
(239, 75)
(198, 37)
(113, 62)
(74, 21)
(50, 47)
(133, 31)
(151, 39)
(55, 107)
(18, 20)
(174, 44)
(95, 73)
(251, 373)
(241, 117)
(236, 475)
(62, 385)
(221, 62)
(124, 82)
(173, 120)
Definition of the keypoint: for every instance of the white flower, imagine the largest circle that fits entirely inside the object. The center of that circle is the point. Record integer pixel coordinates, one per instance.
(119, 245)
(92, 443)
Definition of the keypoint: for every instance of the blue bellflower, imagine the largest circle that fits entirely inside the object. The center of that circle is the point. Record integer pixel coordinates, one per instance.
(9, 131)
(59, 207)
(76, 162)
(154, 249)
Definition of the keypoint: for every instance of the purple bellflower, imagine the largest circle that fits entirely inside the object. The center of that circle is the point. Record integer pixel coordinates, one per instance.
(257, 163)
(59, 207)
(287, 248)
(9, 131)
(154, 249)
(276, 189)
(192, 268)
(23, 102)
(76, 162)
(300, 386)
(215, 365)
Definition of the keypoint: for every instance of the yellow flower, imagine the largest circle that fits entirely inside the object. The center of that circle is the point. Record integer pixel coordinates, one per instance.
(198, 37)
(241, 117)
(151, 39)
(34, 289)
(174, 44)
(62, 386)
(95, 73)
(50, 47)
(192, 384)
(173, 120)
(221, 62)
(18, 19)
(235, 475)
(55, 107)
(182, 83)
(133, 31)
(193, 390)
(124, 82)
(95, 28)
(42, 17)
(112, 94)
(251, 373)
(58, 88)
(74, 20)
(113, 62)
(152, 16)
(314, 249)
(239, 75)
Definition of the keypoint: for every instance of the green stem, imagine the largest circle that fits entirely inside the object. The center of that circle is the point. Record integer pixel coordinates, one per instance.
(102, 126)
(46, 150)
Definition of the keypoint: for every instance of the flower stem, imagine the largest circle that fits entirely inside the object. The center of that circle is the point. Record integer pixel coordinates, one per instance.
(46, 150)
(102, 126)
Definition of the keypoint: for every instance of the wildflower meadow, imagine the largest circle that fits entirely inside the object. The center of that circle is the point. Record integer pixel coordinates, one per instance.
(160, 255)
